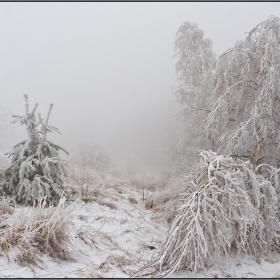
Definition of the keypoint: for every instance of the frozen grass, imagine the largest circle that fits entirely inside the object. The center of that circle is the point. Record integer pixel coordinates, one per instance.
(164, 200)
(6, 206)
(109, 242)
(36, 231)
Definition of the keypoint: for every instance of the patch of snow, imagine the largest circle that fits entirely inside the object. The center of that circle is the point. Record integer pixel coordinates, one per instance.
(116, 242)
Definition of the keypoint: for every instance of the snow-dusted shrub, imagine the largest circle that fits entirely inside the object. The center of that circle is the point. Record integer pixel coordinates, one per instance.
(36, 169)
(92, 156)
(36, 231)
(84, 182)
(88, 168)
(226, 208)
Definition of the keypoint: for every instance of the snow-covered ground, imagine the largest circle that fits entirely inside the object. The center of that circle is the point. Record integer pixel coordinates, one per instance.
(114, 235)
(244, 267)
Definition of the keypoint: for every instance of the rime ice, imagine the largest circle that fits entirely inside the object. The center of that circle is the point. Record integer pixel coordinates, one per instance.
(36, 170)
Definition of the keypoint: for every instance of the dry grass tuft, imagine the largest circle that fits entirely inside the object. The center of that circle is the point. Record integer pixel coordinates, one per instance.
(132, 200)
(88, 199)
(172, 216)
(111, 205)
(165, 200)
(117, 260)
(83, 217)
(96, 238)
(90, 271)
(149, 204)
(36, 231)
(271, 260)
(6, 206)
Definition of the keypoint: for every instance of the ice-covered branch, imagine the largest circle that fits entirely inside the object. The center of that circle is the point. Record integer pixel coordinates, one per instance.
(227, 209)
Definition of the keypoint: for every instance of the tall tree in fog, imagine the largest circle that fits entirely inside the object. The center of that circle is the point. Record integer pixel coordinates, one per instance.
(231, 205)
(231, 105)
(245, 120)
(193, 88)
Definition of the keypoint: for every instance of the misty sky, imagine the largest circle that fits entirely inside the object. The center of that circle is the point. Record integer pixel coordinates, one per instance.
(107, 67)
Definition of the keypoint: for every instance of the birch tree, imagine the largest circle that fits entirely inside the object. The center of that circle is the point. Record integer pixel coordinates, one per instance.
(193, 89)
(226, 208)
(245, 119)
(231, 199)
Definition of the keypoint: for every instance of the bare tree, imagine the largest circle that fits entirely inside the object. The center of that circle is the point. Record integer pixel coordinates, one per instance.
(90, 157)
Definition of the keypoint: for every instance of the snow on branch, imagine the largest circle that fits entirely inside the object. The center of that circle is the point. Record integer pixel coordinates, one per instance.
(227, 208)
(245, 116)
(36, 170)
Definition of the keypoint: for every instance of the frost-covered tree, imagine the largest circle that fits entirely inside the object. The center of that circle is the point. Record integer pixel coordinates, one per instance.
(36, 170)
(226, 208)
(193, 89)
(230, 204)
(245, 120)
(231, 105)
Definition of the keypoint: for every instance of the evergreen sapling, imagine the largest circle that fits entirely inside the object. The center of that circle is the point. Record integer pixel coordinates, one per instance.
(36, 170)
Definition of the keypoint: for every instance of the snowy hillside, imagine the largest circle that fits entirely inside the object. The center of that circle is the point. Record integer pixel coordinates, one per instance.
(114, 234)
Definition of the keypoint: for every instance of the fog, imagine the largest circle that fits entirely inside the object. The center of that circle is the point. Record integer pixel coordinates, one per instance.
(107, 67)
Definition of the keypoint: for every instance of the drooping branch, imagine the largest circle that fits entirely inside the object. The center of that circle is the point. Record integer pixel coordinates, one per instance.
(226, 207)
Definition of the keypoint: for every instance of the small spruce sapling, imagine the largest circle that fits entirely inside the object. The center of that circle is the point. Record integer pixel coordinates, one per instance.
(36, 170)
